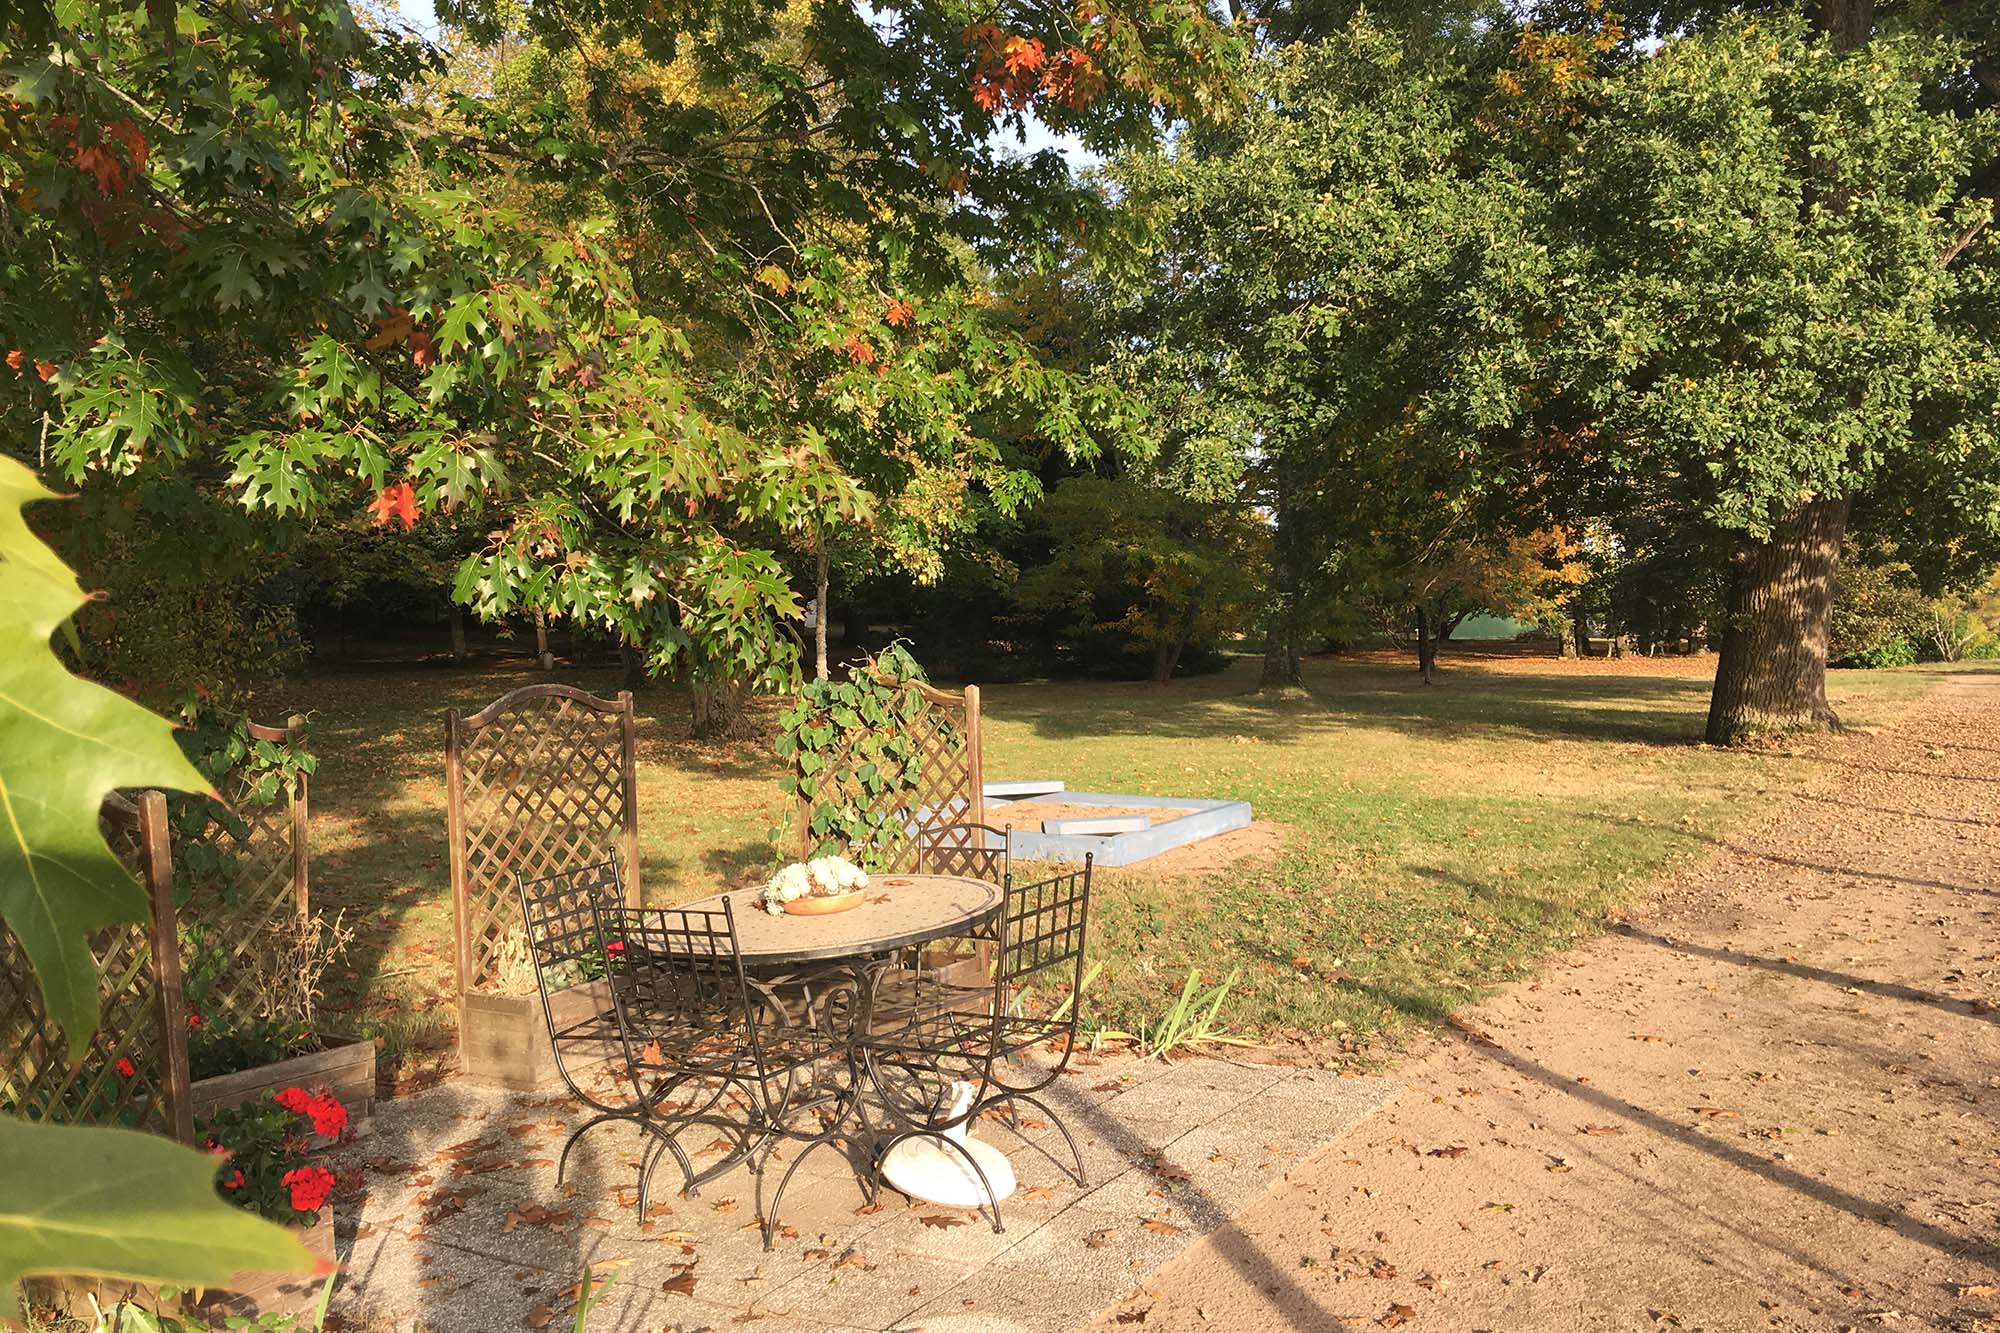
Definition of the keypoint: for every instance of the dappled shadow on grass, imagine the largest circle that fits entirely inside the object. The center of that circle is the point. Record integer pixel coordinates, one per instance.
(380, 827)
(1468, 704)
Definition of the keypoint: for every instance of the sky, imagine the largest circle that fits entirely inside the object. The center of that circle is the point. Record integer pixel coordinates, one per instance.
(423, 18)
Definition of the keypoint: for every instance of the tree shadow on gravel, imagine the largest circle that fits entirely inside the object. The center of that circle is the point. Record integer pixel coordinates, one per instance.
(1968, 1248)
(1888, 990)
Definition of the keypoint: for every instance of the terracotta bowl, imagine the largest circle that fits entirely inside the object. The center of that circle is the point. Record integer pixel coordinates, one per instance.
(839, 902)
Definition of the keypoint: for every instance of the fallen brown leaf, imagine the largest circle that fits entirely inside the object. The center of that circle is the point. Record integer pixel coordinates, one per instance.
(681, 1283)
(941, 1220)
(1397, 1316)
(1159, 1226)
(1097, 1240)
(1599, 1131)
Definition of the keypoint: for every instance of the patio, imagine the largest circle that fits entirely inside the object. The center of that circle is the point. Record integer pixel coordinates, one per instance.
(453, 1220)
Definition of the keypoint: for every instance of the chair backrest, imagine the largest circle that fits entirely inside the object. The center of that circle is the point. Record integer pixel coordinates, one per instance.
(564, 946)
(1043, 928)
(979, 851)
(676, 977)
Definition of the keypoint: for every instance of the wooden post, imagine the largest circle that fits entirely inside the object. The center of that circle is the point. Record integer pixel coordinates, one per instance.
(454, 783)
(156, 853)
(295, 730)
(976, 766)
(630, 738)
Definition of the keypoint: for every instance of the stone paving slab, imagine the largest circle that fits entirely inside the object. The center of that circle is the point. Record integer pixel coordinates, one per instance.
(451, 1220)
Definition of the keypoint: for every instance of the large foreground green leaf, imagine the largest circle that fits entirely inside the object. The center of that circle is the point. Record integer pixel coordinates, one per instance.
(64, 743)
(119, 1204)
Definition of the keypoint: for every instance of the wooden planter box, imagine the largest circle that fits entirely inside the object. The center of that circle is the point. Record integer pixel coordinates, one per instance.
(503, 1040)
(345, 1069)
(256, 1294)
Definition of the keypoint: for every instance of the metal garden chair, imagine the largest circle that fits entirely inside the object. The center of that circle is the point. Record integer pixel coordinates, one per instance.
(940, 1033)
(976, 850)
(565, 948)
(693, 1022)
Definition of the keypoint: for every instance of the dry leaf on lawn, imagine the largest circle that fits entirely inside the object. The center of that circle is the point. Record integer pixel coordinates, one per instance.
(941, 1220)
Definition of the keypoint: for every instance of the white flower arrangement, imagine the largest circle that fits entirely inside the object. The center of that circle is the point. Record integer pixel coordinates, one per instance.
(821, 877)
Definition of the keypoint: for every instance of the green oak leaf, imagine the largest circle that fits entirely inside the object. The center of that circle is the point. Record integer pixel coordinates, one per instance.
(116, 1203)
(64, 743)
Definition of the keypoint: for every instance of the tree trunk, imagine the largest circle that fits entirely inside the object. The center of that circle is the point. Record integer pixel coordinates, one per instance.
(719, 710)
(1580, 631)
(1771, 674)
(457, 632)
(631, 666)
(1426, 646)
(820, 607)
(1167, 655)
(1281, 660)
(1847, 23)
(542, 653)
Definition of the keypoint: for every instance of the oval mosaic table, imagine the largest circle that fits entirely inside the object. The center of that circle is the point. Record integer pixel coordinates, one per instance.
(896, 911)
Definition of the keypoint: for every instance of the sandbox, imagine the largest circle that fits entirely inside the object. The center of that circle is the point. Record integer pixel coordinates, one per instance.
(1044, 816)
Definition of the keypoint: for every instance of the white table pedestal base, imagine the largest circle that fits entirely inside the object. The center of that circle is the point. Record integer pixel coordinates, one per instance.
(925, 1169)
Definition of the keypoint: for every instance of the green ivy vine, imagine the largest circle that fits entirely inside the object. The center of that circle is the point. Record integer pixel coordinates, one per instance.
(851, 758)
(251, 772)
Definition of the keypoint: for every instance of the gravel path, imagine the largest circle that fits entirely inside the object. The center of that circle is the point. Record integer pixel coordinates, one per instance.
(1771, 1100)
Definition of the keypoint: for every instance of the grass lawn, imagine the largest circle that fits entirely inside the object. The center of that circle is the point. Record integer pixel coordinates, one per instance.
(1436, 840)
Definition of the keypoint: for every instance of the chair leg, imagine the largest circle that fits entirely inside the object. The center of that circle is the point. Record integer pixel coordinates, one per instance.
(662, 1144)
(1011, 1098)
(576, 1135)
(771, 1208)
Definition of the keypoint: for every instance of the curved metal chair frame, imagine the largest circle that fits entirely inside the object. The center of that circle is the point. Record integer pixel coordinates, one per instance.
(953, 1032)
(689, 1015)
(976, 850)
(564, 943)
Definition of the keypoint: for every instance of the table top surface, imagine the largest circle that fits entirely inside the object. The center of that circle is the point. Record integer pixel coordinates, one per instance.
(896, 912)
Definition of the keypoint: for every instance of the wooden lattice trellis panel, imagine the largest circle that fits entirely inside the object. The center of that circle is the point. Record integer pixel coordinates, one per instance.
(255, 898)
(140, 1012)
(950, 790)
(540, 781)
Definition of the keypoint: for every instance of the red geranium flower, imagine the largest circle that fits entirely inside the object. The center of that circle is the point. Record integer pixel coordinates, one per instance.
(309, 1186)
(295, 1100)
(124, 1068)
(329, 1117)
(194, 1021)
(616, 946)
(233, 1182)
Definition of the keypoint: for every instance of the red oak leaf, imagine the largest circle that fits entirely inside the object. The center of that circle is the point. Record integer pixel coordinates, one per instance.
(1022, 55)
(46, 369)
(423, 350)
(900, 312)
(396, 502)
(858, 351)
(14, 360)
